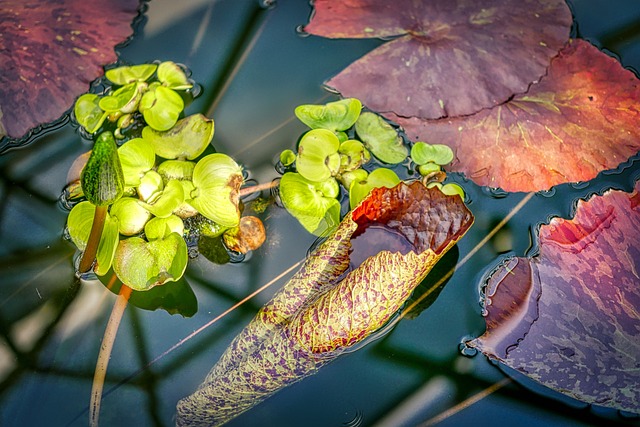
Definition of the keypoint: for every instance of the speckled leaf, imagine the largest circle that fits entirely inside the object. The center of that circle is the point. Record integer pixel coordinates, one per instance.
(50, 51)
(568, 317)
(449, 57)
(335, 300)
(582, 118)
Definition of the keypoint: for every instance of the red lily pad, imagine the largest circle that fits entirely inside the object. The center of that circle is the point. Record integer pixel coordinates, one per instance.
(569, 317)
(580, 119)
(450, 57)
(50, 51)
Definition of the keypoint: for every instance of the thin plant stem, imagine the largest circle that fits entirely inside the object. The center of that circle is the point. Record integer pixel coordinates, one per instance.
(89, 254)
(255, 188)
(105, 353)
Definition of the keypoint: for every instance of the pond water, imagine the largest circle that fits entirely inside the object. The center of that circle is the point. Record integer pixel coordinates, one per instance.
(254, 69)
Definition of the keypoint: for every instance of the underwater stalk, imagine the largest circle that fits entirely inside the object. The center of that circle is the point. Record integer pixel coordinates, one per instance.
(105, 353)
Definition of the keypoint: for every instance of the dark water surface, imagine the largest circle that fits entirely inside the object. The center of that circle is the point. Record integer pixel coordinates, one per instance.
(254, 70)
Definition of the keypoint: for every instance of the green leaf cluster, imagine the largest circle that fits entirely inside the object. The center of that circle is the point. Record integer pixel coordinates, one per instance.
(149, 249)
(164, 178)
(430, 158)
(333, 154)
(153, 91)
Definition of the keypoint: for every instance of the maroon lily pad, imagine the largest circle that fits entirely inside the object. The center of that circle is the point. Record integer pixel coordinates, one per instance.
(450, 57)
(580, 119)
(51, 51)
(569, 317)
(349, 287)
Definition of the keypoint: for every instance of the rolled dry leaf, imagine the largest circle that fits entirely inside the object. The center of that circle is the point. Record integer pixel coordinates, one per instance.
(337, 299)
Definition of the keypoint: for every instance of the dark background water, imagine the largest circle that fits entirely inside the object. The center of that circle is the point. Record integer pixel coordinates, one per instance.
(254, 69)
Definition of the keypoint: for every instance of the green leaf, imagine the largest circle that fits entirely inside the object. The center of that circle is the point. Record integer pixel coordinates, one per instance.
(79, 224)
(161, 108)
(381, 177)
(170, 199)
(353, 154)
(102, 177)
(159, 228)
(334, 116)
(129, 74)
(305, 200)
(137, 158)
(287, 157)
(187, 139)
(381, 138)
(318, 157)
(217, 179)
(173, 297)
(451, 189)
(143, 265)
(428, 168)
(125, 99)
(176, 169)
(172, 76)
(131, 216)
(357, 175)
(423, 153)
(151, 186)
(88, 112)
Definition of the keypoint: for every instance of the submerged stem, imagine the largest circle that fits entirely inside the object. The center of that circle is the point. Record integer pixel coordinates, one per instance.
(105, 353)
(89, 254)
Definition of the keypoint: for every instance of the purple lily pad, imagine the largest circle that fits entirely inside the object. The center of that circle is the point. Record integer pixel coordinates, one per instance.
(449, 57)
(568, 318)
(50, 51)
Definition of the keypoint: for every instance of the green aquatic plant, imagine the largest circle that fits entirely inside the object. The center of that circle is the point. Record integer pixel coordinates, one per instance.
(153, 90)
(336, 153)
(141, 192)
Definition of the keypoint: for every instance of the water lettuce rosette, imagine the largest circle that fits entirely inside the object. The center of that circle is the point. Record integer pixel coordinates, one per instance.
(336, 300)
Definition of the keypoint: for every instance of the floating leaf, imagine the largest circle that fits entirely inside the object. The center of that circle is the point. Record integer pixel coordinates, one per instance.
(176, 169)
(579, 120)
(423, 153)
(50, 52)
(79, 225)
(381, 138)
(131, 73)
(448, 57)
(307, 202)
(102, 177)
(217, 179)
(124, 99)
(172, 76)
(88, 112)
(187, 139)
(143, 265)
(318, 157)
(287, 157)
(334, 116)
(173, 297)
(568, 317)
(159, 228)
(137, 158)
(349, 287)
(169, 200)
(130, 214)
(161, 108)
(353, 154)
(381, 177)
(249, 235)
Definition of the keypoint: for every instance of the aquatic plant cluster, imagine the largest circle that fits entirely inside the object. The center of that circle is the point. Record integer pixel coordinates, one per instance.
(156, 179)
(334, 153)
